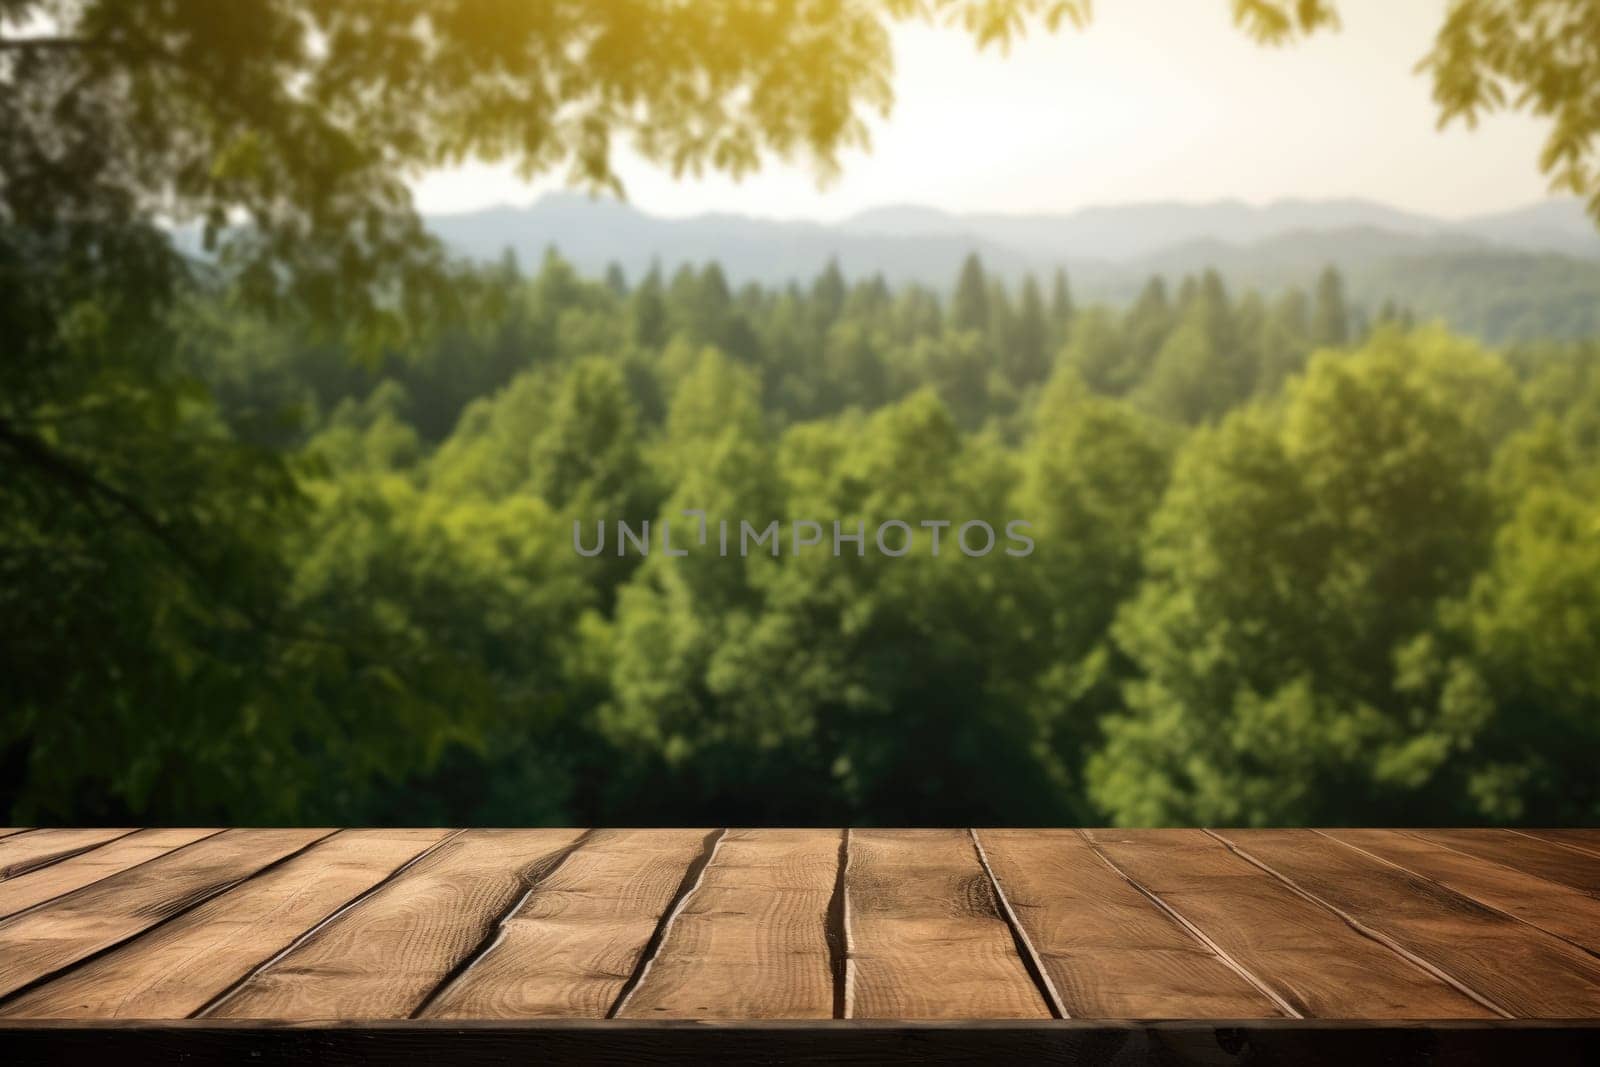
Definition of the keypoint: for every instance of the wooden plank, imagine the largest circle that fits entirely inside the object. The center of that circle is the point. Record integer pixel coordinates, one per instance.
(9, 830)
(1542, 859)
(381, 958)
(927, 939)
(38, 886)
(1308, 958)
(1109, 951)
(751, 939)
(1551, 906)
(175, 970)
(571, 947)
(1524, 971)
(38, 848)
(1582, 840)
(70, 928)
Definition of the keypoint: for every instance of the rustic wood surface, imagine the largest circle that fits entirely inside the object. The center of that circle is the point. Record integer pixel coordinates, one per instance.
(749, 936)
(385, 955)
(430, 929)
(928, 933)
(1306, 958)
(1506, 963)
(567, 951)
(24, 852)
(74, 872)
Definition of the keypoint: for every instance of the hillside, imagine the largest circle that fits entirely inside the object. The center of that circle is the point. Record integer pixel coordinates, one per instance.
(1532, 272)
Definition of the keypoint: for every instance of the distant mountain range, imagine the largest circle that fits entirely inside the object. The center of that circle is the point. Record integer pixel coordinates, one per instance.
(1134, 231)
(1108, 251)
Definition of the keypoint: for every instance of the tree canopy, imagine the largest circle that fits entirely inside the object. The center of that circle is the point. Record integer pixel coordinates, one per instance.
(285, 528)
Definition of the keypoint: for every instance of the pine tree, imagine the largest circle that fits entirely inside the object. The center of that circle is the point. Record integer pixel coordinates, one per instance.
(870, 299)
(510, 265)
(1062, 308)
(916, 314)
(1146, 328)
(1002, 323)
(1285, 340)
(616, 280)
(714, 287)
(699, 304)
(1030, 361)
(648, 311)
(1330, 316)
(827, 295)
(1188, 289)
(1217, 313)
(969, 308)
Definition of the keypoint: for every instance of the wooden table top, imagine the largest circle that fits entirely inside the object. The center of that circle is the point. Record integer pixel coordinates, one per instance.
(320, 926)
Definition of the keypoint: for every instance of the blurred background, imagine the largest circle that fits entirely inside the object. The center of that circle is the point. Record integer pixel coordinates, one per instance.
(321, 324)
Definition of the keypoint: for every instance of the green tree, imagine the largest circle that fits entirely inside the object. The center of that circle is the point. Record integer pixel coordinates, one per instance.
(616, 279)
(969, 308)
(687, 719)
(1301, 554)
(648, 310)
(1094, 469)
(1285, 340)
(1527, 633)
(587, 455)
(1062, 307)
(1202, 369)
(1098, 353)
(1330, 315)
(1146, 327)
(1028, 362)
(827, 295)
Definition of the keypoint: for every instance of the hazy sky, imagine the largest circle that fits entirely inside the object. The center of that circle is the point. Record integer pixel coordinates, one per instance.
(1157, 99)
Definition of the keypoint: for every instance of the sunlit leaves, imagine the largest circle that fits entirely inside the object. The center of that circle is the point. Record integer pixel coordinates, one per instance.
(1540, 56)
(1275, 22)
(997, 23)
(286, 128)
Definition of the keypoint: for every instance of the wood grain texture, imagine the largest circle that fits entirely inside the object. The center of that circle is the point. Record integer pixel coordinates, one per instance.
(175, 970)
(70, 928)
(381, 958)
(9, 830)
(75, 872)
(1542, 859)
(1551, 906)
(1109, 952)
(927, 939)
(435, 932)
(1308, 957)
(569, 949)
(22, 853)
(1582, 840)
(1524, 971)
(750, 940)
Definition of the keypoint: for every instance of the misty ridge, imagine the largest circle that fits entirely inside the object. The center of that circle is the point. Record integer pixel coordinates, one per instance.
(1507, 276)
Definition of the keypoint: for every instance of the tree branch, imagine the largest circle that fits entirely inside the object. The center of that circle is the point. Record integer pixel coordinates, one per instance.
(88, 487)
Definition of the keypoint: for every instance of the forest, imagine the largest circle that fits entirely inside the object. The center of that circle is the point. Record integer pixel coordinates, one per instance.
(1294, 563)
(287, 504)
